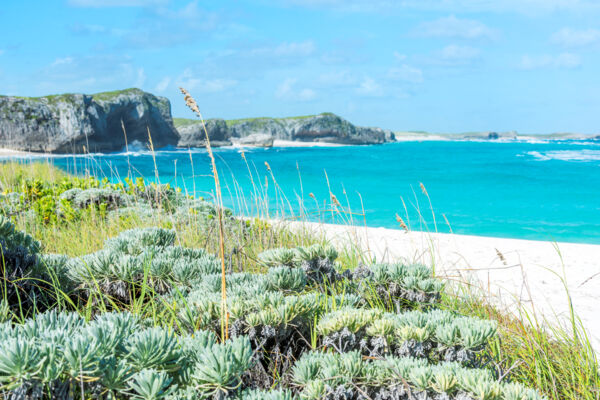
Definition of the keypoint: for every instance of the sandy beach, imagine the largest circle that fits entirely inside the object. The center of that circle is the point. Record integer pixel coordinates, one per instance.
(291, 143)
(16, 153)
(514, 274)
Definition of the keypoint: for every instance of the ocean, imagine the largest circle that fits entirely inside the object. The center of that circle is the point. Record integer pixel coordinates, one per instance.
(541, 190)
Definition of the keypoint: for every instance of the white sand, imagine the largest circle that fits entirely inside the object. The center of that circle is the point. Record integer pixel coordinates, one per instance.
(15, 153)
(290, 143)
(413, 137)
(512, 273)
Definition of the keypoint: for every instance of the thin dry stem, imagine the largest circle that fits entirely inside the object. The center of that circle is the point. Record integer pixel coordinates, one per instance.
(191, 103)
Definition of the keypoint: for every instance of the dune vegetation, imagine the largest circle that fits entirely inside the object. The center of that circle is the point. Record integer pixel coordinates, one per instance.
(115, 290)
(135, 290)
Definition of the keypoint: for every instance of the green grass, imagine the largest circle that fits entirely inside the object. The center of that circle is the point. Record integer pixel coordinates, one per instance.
(106, 96)
(102, 96)
(537, 353)
(180, 122)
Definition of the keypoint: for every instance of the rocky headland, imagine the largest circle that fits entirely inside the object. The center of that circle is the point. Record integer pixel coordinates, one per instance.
(76, 123)
(322, 128)
(108, 121)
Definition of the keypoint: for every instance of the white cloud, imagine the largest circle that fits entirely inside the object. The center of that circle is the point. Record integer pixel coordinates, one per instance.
(337, 78)
(117, 3)
(386, 6)
(189, 81)
(406, 73)
(140, 79)
(453, 27)
(163, 84)
(292, 49)
(576, 37)
(287, 91)
(564, 60)
(370, 87)
(456, 55)
(399, 56)
(62, 61)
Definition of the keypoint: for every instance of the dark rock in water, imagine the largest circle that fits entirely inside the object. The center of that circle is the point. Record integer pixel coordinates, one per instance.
(192, 133)
(75, 123)
(333, 129)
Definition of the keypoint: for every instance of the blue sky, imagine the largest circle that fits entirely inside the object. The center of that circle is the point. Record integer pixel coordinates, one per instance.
(435, 65)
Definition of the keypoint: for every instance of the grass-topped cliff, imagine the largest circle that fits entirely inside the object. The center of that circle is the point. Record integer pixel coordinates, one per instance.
(180, 122)
(116, 288)
(75, 123)
(69, 97)
(324, 127)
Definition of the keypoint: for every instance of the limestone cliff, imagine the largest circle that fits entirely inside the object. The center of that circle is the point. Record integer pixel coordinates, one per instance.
(74, 123)
(326, 127)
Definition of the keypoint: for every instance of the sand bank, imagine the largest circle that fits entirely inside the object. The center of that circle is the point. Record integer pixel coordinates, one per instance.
(16, 153)
(290, 143)
(512, 273)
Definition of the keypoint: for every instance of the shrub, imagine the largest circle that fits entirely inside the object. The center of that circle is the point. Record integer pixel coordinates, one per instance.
(22, 282)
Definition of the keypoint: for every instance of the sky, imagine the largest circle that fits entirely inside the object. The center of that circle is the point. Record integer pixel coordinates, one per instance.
(432, 65)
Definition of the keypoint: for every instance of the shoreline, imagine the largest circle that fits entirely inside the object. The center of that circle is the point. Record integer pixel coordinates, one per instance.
(17, 153)
(292, 143)
(517, 275)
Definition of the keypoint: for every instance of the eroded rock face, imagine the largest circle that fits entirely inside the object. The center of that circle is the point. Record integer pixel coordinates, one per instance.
(254, 140)
(327, 128)
(192, 133)
(76, 123)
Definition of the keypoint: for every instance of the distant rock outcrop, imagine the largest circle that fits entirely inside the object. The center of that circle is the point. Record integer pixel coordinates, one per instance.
(326, 128)
(191, 132)
(255, 140)
(74, 123)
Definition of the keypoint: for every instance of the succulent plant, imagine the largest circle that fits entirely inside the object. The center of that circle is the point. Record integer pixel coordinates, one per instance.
(278, 257)
(134, 241)
(286, 279)
(24, 284)
(94, 197)
(149, 384)
(220, 367)
(153, 348)
(332, 376)
(20, 361)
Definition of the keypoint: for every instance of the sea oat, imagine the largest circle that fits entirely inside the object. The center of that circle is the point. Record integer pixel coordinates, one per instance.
(191, 103)
(501, 257)
(401, 222)
(334, 200)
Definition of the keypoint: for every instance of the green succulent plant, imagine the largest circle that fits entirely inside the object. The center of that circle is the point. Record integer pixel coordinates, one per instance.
(20, 361)
(219, 367)
(153, 348)
(149, 384)
(278, 257)
(286, 279)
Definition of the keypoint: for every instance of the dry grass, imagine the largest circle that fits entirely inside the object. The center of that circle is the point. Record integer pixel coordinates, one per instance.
(555, 360)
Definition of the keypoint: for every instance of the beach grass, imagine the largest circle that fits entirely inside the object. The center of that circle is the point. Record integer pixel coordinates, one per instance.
(558, 361)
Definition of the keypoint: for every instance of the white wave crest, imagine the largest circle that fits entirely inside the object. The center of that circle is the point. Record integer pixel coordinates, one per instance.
(567, 155)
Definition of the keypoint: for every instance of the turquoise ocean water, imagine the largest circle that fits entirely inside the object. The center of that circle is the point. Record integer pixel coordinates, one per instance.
(532, 190)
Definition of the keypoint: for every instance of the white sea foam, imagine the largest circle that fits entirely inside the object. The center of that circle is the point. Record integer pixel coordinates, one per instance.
(567, 155)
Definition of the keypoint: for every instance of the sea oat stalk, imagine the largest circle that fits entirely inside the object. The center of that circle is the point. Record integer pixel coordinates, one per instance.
(191, 103)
